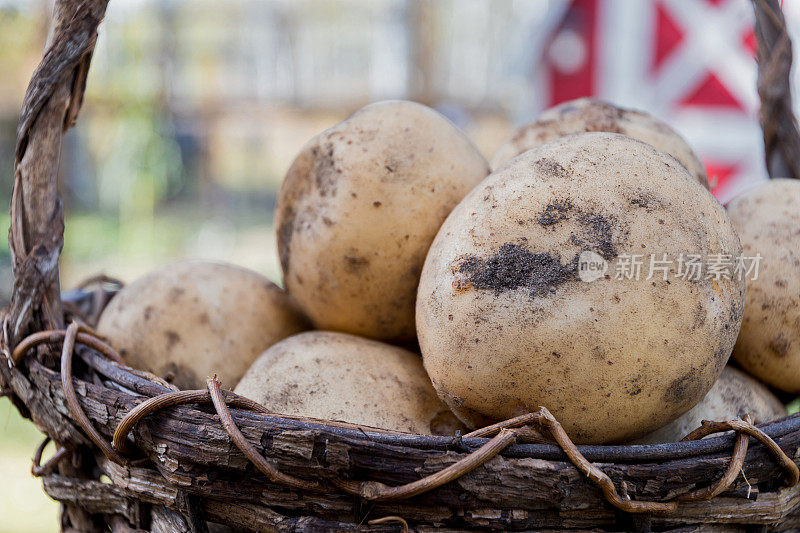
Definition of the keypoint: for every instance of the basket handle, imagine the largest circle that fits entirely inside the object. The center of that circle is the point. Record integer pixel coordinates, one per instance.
(51, 105)
(778, 123)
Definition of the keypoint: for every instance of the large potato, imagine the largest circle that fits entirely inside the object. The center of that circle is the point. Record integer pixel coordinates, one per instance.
(359, 208)
(767, 218)
(586, 114)
(506, 323)
(734, 395)
(336, 376)
(196, 319)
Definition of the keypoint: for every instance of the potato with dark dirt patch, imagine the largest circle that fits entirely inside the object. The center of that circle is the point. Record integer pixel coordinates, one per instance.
(734, 395)
(359, 208)
(587, 114)
(506, 322)
(193, 319)
(336, 376)
(767, 218)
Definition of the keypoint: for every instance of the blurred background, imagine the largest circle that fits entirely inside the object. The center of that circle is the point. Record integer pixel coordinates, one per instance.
(195, 109)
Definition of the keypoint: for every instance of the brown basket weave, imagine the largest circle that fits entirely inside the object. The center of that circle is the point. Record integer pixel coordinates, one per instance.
(133, 453)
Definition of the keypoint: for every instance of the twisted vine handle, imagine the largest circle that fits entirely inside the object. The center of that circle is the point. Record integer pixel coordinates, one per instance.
(51, 105)
(778, 123)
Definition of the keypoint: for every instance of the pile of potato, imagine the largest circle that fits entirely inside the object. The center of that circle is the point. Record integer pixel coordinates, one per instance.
(395, 240)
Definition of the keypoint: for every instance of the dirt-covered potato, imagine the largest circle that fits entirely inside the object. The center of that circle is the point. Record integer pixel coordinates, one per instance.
(587, 114)
(336, 376)
(359, 208)
(506, 322)
(195, 319)
(767, 218)
(733, 395)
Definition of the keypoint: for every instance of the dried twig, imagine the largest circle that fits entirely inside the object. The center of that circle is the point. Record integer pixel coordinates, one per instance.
(85, 336)
(730, 475)
(597, 475)
(72, 399)
(100, 279)
(388, 519)
(171, 399)
(522, 420)
(375, 491)
(709, 427)
(246, 448)
(38, 470)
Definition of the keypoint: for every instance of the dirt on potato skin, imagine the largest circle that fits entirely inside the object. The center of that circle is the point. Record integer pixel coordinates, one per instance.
(513, 267)
(555, 212)
(599, 232)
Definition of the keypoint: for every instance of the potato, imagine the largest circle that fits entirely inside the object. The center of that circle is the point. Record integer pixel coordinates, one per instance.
(195, 319)
(359, 208)
(733, 395)
(506, 324)
(767, 218)
(586, 114)
(336, 376)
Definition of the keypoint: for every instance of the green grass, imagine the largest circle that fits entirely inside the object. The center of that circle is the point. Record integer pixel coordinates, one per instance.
(24, 508)
(793, 406)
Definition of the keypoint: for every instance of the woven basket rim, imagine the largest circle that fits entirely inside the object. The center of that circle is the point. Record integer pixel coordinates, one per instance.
(704, 458)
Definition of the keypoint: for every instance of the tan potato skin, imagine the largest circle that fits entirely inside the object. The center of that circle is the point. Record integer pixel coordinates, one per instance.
(587, 114)
(504, 330)
(767, 218)
(359, 208)
(336, 376)
(733, 395)
(196, 319)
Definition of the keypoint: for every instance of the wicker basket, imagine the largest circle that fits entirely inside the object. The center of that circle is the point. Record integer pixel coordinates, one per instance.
(133, 453)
